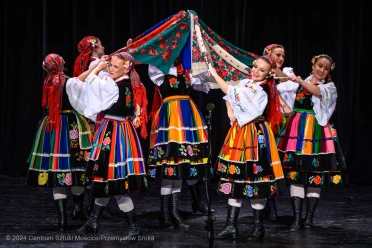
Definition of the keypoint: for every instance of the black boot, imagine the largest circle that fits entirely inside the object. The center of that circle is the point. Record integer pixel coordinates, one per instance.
(133, 227)
(91, 201)
(271, 209)
(165, 220)
(258, 231)
(78, 212)
(107, 213)
(230, 230)
(174, 215)
(312, 202)
(91, 226)
(197, 201)
(297, 203)
(61, 207)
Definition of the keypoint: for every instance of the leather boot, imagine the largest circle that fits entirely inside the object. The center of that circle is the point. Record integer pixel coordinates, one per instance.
(174, 215)
(312, 202)
(91, 226)
(297, 203)
(107, 213)
(62, 216)
(197, 201)
(78, 212)
(230, 230)
(273, 216)
(258, 231)
(133, 227)
(165, 220)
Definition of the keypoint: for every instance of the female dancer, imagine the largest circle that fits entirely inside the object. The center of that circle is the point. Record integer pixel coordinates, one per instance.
(116, 161)
(248, 162)
(62, 143)
(178, 140)
(306, 144)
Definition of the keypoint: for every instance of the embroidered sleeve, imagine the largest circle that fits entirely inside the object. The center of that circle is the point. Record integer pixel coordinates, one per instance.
(101, 94)
(76, 91)
(247, 100)
(326, 103)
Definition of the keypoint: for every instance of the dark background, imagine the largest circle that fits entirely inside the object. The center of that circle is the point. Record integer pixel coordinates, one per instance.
(33, 29)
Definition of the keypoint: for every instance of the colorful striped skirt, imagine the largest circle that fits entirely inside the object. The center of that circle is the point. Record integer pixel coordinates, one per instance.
(116, 162)
(310, 153)
(58, 156)
(249, 164)
(179, 146)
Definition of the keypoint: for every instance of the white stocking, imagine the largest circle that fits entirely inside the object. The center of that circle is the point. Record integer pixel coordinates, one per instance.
(297, 190)
(125, 203)
(235, 202)
(176, 186)
(170, 186)
(102, 201)
(313, 192)
(258, 204)
(166, 187)
(59, 193)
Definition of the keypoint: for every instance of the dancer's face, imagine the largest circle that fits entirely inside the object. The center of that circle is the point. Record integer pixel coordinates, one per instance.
(322, 68)
(278, 55)
(260, 70)
(100, 50)
(118, 67)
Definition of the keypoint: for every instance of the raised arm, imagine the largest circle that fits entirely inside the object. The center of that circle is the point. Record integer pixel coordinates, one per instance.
(95, 68)
(314, 89)
(223, 85)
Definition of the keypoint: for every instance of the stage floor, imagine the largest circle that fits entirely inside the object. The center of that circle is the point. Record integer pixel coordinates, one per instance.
(29, 217)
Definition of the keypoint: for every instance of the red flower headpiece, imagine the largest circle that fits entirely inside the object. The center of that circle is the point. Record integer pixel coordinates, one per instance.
(85, 48)
(269, 49)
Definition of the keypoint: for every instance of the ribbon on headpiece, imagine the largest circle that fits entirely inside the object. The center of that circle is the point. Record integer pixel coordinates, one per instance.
(54, 82)
(85, 48)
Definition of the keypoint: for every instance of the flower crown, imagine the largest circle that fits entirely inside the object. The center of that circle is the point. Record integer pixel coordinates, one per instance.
(268, 50)
(93, 42)
(315, 58)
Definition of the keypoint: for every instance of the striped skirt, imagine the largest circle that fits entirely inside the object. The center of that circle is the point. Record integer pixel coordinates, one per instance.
(310, 153)
(249, 164)
(116, 162)
(58, 156)
(179, 146)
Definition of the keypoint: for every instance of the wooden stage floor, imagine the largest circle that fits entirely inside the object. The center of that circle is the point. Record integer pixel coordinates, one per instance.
(29, 218)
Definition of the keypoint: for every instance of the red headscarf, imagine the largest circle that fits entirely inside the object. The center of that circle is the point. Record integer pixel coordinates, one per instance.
(85, 48)
(54, 82)
(273, 114)
(139, 92)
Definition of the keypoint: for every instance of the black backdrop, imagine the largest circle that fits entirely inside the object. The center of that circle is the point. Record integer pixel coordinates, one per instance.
(33, 29)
